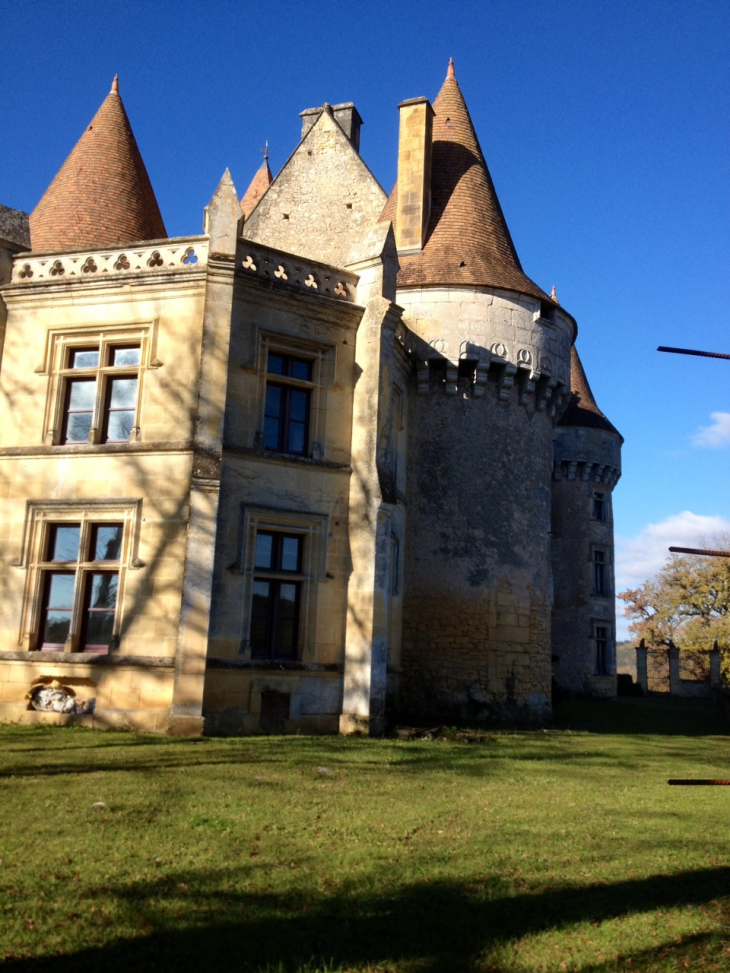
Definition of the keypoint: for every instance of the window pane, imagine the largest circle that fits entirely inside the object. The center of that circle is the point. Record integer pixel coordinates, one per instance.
(298, 406)
(60, 590)
(103, 590)
(276, 364)
(106, 542)
(56, 627)
(125, 356)
(290, 553)
(82, 393)
(119, 427)
(271, 433)
(63, 543)
(301, 369)
(260, 618)
(296, 442)
(286, 633)
(264, 550)
(99, 628)
(123, 393)
(273, 400)
(78, 427)
(85, 358)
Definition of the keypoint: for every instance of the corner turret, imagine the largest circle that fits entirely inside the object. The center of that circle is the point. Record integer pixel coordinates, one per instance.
(102, 195)
(587, 466)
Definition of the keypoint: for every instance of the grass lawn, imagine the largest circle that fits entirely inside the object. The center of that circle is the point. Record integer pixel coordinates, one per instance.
(518, 851)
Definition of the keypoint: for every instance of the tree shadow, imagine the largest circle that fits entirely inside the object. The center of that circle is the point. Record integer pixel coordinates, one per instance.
(643, 715)
(190, 919)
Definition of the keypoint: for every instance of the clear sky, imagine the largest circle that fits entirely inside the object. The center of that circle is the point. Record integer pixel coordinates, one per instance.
(605, 127)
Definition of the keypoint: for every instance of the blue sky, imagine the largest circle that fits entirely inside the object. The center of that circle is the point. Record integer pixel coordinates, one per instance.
(604, 126)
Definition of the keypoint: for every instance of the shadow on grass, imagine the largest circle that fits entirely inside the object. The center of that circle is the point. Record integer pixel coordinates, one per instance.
(655, 715)
(434, 927)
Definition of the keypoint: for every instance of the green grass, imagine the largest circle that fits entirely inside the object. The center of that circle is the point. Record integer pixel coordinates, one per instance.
(502, 851)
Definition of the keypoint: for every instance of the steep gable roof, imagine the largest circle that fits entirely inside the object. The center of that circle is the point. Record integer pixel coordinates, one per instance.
(467, 240)
(259, 184)
(582, 409)
(323, 200)
(102, 195)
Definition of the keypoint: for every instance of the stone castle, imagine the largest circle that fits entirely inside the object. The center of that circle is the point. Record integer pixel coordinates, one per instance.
(331, 464)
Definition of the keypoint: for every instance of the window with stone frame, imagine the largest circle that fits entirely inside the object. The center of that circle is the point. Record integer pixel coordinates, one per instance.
(603, 653)
(296, 375)
(100, 387)
(600, 505)
(282, 560)
(600, 572)
(76, 555)
(289, 388)
(276, 598)
(80, 581)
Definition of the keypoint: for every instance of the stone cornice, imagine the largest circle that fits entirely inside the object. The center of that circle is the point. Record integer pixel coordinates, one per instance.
(273, 665)
(90, 659)
(97, 450)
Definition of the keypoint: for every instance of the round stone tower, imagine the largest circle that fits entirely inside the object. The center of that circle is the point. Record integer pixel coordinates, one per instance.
(493, 364)
(587, 468)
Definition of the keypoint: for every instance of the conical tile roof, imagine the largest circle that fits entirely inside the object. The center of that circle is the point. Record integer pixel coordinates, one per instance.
(467, 241)
(102, 195)
(259, 184)
(582, 409)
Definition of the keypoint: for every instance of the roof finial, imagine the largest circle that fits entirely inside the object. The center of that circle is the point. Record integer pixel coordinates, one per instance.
(265, 150)
(554, 296)
(115, 84)
(450, 69)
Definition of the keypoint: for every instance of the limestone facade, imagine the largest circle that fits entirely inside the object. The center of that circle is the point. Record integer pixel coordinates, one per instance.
(342, 496)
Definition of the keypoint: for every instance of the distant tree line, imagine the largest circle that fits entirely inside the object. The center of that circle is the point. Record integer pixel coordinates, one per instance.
(687, 604)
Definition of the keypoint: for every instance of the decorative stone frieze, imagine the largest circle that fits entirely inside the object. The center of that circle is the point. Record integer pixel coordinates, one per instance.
(163, 256)
(308, 276)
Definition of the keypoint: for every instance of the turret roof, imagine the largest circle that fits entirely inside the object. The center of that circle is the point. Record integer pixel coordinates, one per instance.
(467, 241)
(259, 184)
(102, 195)
(582, 409)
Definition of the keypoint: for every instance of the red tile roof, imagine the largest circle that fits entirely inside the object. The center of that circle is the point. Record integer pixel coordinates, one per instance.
(102, 195)
(582, 409)
(259, 184)
(467, 242)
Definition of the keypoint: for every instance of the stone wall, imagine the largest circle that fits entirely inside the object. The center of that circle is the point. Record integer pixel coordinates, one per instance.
(324, 202)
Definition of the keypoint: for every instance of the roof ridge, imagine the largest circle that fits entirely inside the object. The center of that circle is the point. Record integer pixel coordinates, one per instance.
(102, 195)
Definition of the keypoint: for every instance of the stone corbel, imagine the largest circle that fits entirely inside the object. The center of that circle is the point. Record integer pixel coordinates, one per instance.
(556, 401)
(452, 378)
(545, 387)
(526, 379)
(480, 379)
(506, 380)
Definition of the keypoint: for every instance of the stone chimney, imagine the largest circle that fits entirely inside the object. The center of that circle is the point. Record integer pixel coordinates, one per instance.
(309, 116)
(346, 116)
(414, 174)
